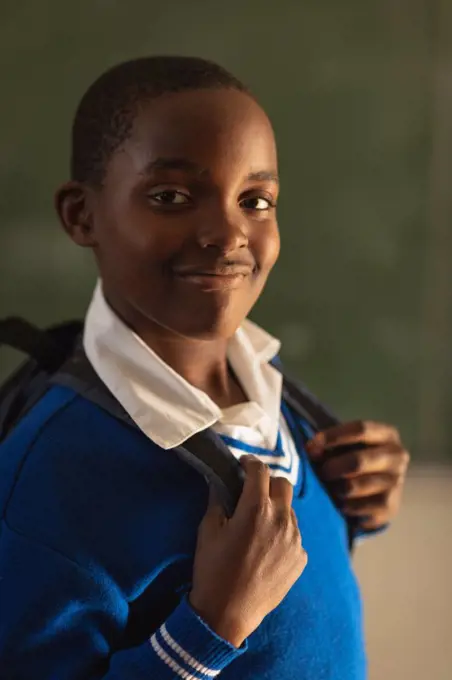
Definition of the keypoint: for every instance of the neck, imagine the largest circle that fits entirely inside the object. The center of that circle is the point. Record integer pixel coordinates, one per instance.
(202, 363)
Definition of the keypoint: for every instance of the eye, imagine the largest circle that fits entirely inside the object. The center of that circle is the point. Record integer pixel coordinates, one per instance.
(258, 203)
(169, 197)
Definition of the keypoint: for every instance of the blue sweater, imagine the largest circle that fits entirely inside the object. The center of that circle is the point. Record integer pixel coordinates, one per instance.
(98, 532)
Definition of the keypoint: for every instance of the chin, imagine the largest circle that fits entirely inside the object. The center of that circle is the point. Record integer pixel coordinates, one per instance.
(214, 329)
(206, 323)
(212, 317)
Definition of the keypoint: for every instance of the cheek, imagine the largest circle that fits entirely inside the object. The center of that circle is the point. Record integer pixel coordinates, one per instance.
(267, 246)
(132, 238)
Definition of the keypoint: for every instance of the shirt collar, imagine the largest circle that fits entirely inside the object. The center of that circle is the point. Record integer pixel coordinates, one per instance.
(164, 405)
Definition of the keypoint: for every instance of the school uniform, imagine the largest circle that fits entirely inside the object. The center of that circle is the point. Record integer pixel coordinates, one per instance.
(99, 522)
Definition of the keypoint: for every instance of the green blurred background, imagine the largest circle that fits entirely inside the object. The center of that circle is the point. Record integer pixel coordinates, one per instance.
(360, 98)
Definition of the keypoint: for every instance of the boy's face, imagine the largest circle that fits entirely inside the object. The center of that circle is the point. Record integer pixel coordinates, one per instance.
(184, 227)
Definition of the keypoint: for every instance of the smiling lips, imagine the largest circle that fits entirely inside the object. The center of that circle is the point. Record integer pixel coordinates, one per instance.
(221, 277)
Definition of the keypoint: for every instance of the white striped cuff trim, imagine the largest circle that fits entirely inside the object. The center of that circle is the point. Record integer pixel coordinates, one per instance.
(186, 675)
(170, 662)
(190, 660)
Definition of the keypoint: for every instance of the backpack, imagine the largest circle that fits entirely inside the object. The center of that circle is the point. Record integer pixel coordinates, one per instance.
(56, 357)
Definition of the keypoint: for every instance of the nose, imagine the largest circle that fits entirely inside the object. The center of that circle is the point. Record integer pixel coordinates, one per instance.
(224, 232)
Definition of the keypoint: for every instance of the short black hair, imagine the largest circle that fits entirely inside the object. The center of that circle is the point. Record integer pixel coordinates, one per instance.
(106, 112)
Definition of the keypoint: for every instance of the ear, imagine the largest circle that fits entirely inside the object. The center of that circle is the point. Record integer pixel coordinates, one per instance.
(73, 203)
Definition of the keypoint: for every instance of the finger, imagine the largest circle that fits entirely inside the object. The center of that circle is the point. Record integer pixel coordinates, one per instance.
(379, 509)
(366, 485)
(359, 431)
(375, 522)
(256, 487)
(389, 459)
(366, 507)
(281, 492)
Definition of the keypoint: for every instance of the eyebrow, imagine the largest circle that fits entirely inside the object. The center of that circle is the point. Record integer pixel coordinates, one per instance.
(185, 165)
(264, 176)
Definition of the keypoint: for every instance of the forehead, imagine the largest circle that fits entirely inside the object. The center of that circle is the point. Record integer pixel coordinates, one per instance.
(210, 128)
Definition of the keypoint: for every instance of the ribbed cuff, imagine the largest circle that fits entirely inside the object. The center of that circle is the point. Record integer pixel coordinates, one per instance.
(360, 534)
(185, 643)
(183, 647)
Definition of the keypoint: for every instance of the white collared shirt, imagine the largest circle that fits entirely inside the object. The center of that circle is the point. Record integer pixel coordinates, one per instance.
(169, 410)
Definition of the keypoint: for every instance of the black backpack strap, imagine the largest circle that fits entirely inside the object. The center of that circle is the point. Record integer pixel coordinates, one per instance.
(204, 451)
(57, 357)
(46, 350)
(303, 402)
(49, 348)
(305, 405)
(207, 452)
(27, 338)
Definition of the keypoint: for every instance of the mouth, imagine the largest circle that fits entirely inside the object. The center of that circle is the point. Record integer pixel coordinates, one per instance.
(221, 278)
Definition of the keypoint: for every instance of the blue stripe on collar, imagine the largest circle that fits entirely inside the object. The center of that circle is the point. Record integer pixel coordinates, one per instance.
(278, 451)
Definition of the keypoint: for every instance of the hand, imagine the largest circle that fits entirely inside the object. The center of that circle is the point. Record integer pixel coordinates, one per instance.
(364, 465)
(246, 565)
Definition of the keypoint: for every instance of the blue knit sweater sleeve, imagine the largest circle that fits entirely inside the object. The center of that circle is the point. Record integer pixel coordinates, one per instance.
(58, 620)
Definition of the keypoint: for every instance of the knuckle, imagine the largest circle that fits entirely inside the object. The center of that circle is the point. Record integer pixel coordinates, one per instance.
(394, 433)
(348, 487)
(259, 511)
(362, 426)
(386, 499)
(258, 467)
(295, 548)
(405, 459)
(296, 541)
(395, 496)
(381, 518)
(282, 522)
(303, 560)
(295, 528)
(357, 462)
(294, 525)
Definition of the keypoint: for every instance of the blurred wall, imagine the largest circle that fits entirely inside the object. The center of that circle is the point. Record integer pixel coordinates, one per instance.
(406, 584)
(358, 95)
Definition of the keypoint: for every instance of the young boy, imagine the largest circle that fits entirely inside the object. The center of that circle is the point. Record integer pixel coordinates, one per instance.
(110, 566)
